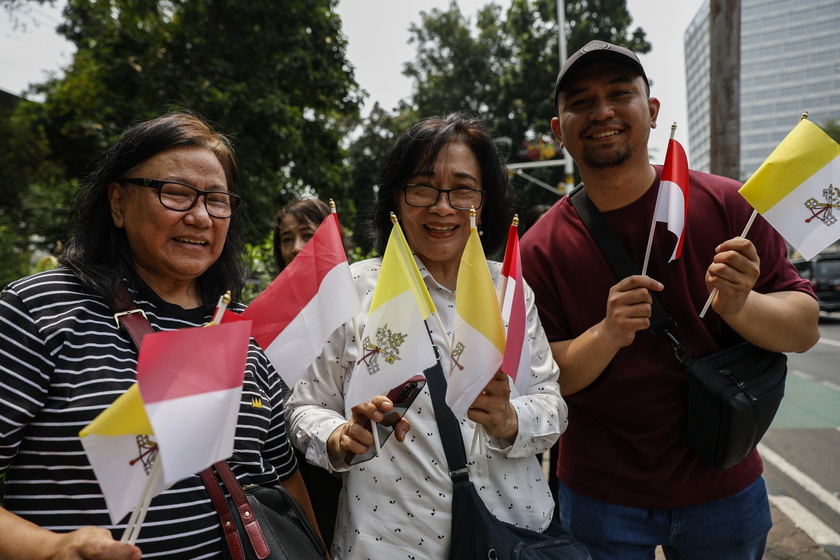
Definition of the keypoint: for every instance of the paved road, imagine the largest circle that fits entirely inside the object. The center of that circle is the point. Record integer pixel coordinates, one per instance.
(801, 450)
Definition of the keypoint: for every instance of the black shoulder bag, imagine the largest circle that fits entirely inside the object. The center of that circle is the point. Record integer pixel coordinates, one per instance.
(733, 394)
(257, 522)
(477, 533)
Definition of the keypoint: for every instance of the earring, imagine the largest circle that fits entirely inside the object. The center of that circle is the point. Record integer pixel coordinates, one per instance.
(480, 231)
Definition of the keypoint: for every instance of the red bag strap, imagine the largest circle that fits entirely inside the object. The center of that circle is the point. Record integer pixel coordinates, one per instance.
(219, 502)
(246, 513)
(132, 319)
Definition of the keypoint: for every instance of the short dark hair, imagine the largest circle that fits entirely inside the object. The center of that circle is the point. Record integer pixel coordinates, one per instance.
(304, 210)
(418, 149)
(99, 253)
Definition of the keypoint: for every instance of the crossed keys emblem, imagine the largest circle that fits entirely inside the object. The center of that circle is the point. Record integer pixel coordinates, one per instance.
(387, 345)
(456, 354)
(823, 210)
(147, 453)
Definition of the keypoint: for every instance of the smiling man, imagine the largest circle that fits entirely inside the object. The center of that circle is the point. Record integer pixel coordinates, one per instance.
(627, 482)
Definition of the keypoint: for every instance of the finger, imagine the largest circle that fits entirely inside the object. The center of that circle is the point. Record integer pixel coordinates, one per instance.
(401, 429)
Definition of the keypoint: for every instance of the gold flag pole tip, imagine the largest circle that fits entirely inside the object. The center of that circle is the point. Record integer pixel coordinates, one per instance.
(393, 218)
(515, 221)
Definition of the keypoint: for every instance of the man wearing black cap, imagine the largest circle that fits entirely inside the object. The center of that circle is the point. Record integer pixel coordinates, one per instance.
(627, 482)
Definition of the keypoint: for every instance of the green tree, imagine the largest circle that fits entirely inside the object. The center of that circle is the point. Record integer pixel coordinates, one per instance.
(503, 67)
(832, 128)
(273, 75)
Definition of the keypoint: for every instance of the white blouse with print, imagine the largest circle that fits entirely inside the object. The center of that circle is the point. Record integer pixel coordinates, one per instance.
(398, 505)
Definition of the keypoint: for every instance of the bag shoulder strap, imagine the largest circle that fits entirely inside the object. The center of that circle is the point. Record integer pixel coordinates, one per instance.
(448, 425)
(243, 508)
(129, 317)
(228, 526)
(622, 265)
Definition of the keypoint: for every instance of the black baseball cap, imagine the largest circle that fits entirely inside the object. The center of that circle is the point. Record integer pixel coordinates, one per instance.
(595, 51)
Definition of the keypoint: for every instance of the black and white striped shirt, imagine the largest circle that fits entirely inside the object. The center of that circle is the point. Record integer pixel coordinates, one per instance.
(63, 360)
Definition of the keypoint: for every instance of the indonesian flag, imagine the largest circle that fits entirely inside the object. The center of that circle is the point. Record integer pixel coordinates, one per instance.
(797, 189)
(479, 337)
(191, 383)
(517, 359)
(395, 344)
(313, 296)
(182, 412)
(672, 200)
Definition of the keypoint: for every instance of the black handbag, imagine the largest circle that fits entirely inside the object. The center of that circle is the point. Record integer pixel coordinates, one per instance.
(477, 533)
(733, 394)
(260, 522)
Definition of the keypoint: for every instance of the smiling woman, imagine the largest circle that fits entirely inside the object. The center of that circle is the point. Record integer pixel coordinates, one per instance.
(436, 171)
(159, 218)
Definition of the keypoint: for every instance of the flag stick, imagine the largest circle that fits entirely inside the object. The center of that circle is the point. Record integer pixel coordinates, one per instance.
(376, 443)
(132, 529)
(715, 290)
(653, 221)
(221, 307)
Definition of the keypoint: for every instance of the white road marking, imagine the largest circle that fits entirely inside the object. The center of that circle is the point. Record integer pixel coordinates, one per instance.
(805, 481)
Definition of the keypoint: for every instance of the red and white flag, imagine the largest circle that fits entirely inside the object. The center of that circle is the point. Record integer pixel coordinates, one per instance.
(313, 296)
(191, 384)
(517, 358)
(672, 201)
(178, 419)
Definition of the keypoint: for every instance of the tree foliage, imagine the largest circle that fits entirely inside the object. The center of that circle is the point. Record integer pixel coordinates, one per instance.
(273, 75)
(502, 67)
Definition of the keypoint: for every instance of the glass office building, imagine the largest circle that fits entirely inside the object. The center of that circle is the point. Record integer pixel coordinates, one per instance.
(790, 63)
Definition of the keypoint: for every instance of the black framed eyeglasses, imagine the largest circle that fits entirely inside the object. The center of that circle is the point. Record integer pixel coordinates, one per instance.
(181, 197)
(459, 198)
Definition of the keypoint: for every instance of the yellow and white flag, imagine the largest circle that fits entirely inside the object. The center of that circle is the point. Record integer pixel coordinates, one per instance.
(395, 343)
(479, 333)
(797, 189)
(122, 450)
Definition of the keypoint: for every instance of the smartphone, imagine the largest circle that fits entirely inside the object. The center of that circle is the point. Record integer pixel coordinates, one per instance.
(402, 397)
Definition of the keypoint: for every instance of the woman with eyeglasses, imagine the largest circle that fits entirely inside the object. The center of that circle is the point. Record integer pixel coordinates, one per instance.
(398, 504)
(160, 220)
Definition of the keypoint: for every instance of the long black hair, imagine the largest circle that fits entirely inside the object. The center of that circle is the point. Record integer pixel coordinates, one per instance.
(418, 149)
(98, 252)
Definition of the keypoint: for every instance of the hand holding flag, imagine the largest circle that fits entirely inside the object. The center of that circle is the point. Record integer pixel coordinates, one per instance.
(796, 190)
(395, 342)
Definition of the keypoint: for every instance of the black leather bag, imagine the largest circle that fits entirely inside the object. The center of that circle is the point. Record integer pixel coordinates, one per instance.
(261, 522)
(476, 532)
(733, 396)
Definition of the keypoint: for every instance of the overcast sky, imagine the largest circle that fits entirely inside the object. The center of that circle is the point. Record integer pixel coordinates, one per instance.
(377, 32)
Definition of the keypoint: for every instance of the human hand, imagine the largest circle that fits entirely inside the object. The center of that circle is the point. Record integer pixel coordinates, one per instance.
(92, 543)
(493, 410)
(629, 305)
(733, 273)
(353, 437)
